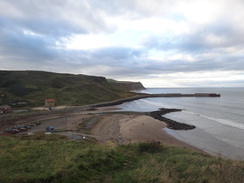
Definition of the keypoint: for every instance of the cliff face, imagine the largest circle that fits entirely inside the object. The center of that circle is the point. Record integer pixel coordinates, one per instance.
(129, 85)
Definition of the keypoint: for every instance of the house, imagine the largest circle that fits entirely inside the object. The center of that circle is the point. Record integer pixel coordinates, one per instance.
(5, 109)
(49, 102)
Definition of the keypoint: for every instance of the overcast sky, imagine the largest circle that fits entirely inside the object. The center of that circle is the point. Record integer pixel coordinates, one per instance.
(162, 43)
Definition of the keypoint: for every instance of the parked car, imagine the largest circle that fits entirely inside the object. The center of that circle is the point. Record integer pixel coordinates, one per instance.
(16, 130)
(27, 126)
(22, 129)
(11, 130)
(37, 122)
(50, 129)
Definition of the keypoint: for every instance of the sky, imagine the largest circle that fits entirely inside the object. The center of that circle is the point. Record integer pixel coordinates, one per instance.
(161, 43)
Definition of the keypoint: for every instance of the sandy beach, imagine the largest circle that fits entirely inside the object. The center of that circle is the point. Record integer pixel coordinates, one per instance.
(124, 129)
(106, 125)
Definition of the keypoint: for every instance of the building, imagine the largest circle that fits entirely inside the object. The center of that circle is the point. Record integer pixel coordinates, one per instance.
(49, 102)
(5, 109)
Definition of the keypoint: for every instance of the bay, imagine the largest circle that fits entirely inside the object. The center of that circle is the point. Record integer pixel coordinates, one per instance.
(219, 121)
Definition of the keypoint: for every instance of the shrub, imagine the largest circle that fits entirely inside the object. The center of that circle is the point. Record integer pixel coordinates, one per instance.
(150, 147)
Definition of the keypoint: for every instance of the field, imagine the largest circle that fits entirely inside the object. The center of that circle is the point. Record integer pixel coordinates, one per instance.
(53, 158)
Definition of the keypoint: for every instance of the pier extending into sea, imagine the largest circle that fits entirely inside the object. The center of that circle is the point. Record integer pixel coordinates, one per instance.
(185, 95)
(146, 95)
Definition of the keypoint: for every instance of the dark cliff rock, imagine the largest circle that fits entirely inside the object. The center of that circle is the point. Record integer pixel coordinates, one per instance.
(129, 85)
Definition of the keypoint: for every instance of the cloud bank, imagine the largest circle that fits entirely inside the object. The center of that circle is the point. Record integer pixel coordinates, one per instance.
(161, 43)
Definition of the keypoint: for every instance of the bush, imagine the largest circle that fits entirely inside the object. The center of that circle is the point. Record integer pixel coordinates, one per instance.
(150, 147)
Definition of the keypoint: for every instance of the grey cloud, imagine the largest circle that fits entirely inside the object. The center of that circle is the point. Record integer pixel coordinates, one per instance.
(56, 18)
(48, 22)
(15, 42)
(52, 27)
(224, 34)
(184, 43)
(117, 53)
(147, 67)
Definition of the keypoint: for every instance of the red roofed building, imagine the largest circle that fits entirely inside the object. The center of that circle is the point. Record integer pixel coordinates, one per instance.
(49, 102)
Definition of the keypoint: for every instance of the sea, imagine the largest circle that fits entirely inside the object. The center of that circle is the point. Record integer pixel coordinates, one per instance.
(219, 121)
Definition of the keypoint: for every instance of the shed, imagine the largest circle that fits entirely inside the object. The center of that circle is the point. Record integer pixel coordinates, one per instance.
(49, 102)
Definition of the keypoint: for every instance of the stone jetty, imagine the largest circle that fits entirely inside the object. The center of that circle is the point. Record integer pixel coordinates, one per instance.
(170, 123)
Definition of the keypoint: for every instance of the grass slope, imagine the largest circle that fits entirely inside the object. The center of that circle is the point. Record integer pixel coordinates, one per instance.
(127, 85)
(67, 89)
(51, 158)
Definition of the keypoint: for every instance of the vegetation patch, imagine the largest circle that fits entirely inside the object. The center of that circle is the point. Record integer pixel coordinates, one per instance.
(150, 147)
(33, 87)
(53, 159)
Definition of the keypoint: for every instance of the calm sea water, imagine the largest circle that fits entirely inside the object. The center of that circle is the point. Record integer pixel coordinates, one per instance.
(219, 121)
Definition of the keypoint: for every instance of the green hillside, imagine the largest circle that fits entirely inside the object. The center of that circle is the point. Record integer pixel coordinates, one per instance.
(51, 158)
(34, 87)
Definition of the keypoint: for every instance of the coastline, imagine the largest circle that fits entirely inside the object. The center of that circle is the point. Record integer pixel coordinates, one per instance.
(119, 128)
(134, 127)
(107, 125)
(122, 128)
(9, 119)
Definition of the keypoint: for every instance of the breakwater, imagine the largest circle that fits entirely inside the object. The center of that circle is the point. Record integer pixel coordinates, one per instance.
(170, 123)
(141, 96)
(185, 95)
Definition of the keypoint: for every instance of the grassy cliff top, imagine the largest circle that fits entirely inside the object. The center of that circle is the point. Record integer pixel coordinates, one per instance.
(52, 158)
(67, 89)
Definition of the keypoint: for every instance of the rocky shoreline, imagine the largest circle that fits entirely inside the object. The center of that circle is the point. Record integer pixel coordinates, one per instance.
(170, 123)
